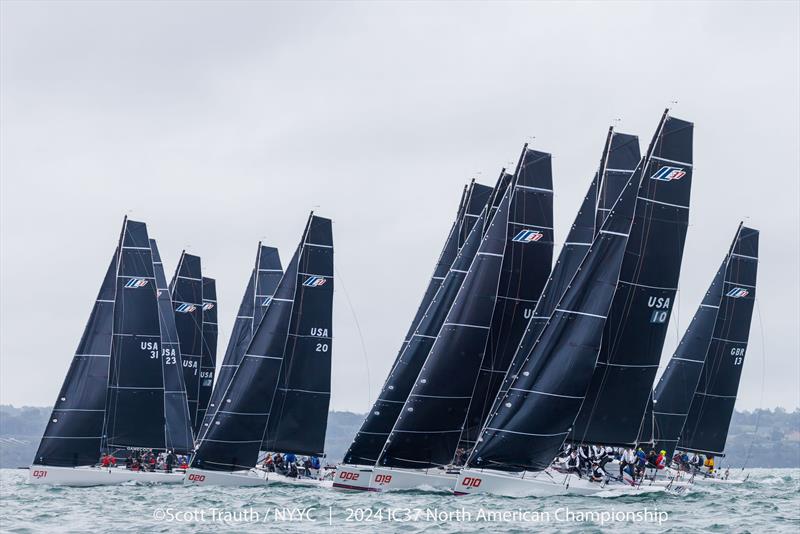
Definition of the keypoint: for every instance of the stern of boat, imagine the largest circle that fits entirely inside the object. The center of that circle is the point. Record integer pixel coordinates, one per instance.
(352, 477)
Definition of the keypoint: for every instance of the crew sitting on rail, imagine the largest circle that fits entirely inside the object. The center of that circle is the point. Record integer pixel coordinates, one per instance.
(108, 460)
(709, 464)
(661, 460)
(573, 464)
(628, 458)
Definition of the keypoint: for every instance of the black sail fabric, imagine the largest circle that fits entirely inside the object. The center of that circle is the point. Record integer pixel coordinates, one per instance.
(369, 440)
(135, 405)
(620, 158)
(186, 289)
(266, 273)
(237, 427)
(675, 389)
(428, 427)
(177, 425)
(208, 363)
(74, 431)
(478, 196)
(706, 427)
(536, 413)
(639, 316)
(527, 261)
(299, 414)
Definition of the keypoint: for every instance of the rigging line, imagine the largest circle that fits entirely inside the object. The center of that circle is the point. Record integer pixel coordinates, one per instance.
(763, 377)
(338, 273)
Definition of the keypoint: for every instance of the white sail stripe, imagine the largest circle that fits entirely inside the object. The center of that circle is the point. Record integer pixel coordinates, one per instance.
(439, 396)
(626, 171)
(374, 433)
(136, 335)
(739, 284)
(315, 274)
(190, 278)
(603, 209)
(546, 394)
(424, 335)
(270, 270)
(529, 225)
(242, 413)
(577, 243)
(282, 300)
(177, 391)
(71, 437)
(531, 188)
(673, 414)
(663, 203)
(474, 215)
(94, 355)
(309, 335)
(110, 300)
(229, 365)
(318, 245)
(709, 306)
(142, 276)
(581, 313)
(262, 357)
(134, 387)
(727, 340)
(125, 247)
(489, 254)
(398, 431)
(244, 316)
(467, 325)
(527, 433)
(492, 370)
(659, 288)
(230, 441)
(687, 360)
(458, 271)
(613, 233)
(392, 401)
(716, 396)
(438, 277)
(670, 161)
(517, 299)
(306, 391)
(624, 365)
(744, 256)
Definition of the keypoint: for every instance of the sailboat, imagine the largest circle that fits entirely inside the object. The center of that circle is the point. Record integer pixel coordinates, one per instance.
(208, 362)
(260, 288)
(355, 471)
(186, 289)
(115, 397)
(503, 281)
(524, 433)
(280, 392)
(694, 398)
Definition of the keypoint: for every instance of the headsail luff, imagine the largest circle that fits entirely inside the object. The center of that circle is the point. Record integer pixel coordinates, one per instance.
(369, 440)
(298, 416)
(177, 425)
(208, 362)
(237, 428)
(535, 415)
(706, 426)
(637, 323)
(186, 289)
(74, 431)
(135, 405)
(266, 274)
(429, 424)
(527, 261)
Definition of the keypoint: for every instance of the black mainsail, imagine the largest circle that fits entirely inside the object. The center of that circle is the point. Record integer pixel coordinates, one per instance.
(266, 274)
(177, 425)
(135, 402)
(438, 296)
(527, 262)
(298, 416)
(637, 322)
(534, 417)
(74, 431)
(620, 158)
(238, 426)
(208, 362)
(706, 427)
(186, 289)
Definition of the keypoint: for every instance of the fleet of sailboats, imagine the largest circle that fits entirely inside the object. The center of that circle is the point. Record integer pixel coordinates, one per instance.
(510, 359)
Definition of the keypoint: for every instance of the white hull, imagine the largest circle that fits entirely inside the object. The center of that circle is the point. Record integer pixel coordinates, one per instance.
(388, 479)
(701, 480)
(252, 477)
(352, 477)
(473, 481)
(98, 476)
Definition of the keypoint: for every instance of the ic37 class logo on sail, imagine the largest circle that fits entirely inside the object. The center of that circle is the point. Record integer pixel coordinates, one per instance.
(667, 174)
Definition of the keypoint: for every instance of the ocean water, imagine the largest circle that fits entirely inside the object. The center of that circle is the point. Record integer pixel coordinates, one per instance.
(768, 502)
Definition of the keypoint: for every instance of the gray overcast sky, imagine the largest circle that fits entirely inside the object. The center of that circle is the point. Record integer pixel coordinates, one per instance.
(222, 124)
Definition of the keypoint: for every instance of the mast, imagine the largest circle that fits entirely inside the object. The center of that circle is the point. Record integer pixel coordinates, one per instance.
(535, 415)
(238, 426)
(186, 289)
(266, 274)
(135, 402)
(708, 421)
(637, 323)
(178, 434)
(208, 362)
(73, 433)
(438, 297)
